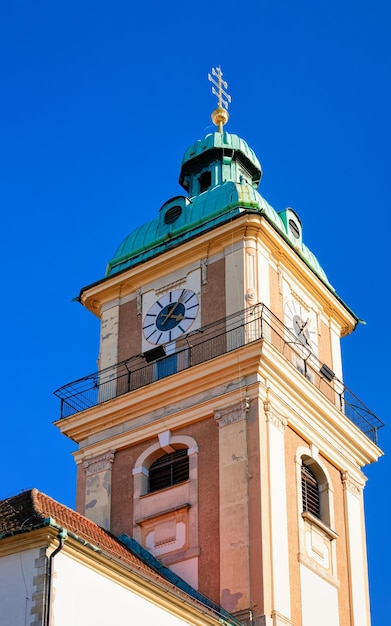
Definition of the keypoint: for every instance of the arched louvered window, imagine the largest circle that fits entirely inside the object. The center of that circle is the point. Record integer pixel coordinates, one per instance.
(169, 469)
(310, 491)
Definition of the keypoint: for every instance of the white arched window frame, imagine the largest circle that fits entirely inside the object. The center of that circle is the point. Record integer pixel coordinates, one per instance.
(174, 506)
(317, 534)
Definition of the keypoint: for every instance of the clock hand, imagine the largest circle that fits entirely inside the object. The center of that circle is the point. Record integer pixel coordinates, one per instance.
(178, 317)
(304, 326)
(170, 314)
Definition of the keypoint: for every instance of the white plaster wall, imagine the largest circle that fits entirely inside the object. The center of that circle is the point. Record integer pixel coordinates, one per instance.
(188, 570)
(357, 553)
(16, 587)
(336, 350)
(319, 600)
(84, 597)
(279, 522)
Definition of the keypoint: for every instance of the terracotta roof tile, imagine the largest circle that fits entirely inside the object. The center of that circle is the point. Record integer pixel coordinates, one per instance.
(29, 509)
(32, 509)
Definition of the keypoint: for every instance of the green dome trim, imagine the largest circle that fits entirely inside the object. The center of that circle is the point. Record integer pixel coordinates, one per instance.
(220, 140)
(196, 216)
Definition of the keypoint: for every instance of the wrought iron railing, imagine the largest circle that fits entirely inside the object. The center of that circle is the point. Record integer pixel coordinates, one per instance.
(256, 323)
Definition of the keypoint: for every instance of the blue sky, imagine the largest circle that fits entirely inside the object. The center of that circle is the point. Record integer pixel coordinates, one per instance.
(99, 101)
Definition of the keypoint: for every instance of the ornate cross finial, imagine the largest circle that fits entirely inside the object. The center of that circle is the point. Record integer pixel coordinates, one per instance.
(220, 115)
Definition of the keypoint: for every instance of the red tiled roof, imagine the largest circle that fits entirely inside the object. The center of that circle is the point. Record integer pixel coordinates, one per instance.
(30, 509)
(33, 509)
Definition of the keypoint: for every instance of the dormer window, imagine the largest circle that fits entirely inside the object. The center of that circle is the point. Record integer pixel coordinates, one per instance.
(205, 181)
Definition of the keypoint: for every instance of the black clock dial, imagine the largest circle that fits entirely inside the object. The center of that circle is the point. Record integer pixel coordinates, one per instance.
(170, 316)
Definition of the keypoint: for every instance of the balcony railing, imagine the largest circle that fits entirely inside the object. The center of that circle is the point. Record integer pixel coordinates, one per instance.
(253, 324)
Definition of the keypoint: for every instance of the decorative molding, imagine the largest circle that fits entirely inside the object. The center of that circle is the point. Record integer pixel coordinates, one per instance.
(280, 277)
(280, 620)
(232, 414)
(99, 464)
(251, 295)
(171, 286)
(139, 302)
(299, 299)
(165, 440)
(318, 569)
(204, 271)
(140, 470)
(273, 417)
(352, 485)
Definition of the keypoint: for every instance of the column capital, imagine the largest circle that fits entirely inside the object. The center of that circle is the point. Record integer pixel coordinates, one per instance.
(232, 414)
(279, 421)
(351, 484)
(99, 463)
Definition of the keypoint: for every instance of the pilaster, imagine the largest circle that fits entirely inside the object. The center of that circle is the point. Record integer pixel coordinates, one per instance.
(98, 488)
(234, 508)
(356, 544)
(281, 604)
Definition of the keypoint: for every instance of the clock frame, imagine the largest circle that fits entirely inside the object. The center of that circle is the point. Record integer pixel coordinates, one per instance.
(170, 316)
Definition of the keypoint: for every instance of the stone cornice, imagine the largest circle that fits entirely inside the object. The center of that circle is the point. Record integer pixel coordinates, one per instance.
(175, 389)
(207, 245)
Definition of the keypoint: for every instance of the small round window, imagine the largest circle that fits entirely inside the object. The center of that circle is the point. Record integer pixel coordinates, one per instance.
(293, 227)
(172, 214)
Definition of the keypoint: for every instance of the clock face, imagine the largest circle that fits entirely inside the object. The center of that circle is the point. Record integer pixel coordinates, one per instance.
(170, 316)
(301, 324)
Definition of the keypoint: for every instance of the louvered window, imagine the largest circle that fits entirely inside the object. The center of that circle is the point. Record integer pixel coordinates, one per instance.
(169, 470)
(310, 491)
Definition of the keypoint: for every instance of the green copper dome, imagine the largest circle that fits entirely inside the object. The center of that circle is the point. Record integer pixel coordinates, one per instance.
(221, 175)
(225, 144)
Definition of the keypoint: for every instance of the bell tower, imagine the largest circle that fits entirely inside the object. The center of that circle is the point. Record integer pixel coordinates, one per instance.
(218, 432)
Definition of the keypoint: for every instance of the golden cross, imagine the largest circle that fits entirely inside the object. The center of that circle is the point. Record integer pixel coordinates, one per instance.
(220, 115)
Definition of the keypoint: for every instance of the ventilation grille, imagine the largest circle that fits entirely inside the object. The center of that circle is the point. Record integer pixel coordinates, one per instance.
(310, 491)
(172, 214)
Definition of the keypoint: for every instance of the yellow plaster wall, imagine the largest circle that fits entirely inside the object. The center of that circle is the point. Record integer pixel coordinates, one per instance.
(276, 304)
(324, 344)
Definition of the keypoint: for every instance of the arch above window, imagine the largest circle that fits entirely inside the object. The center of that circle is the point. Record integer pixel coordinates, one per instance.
(315, 513)
(165, 503)
(315, 487)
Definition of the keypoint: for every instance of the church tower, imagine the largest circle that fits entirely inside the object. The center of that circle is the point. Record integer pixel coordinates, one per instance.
(218, 432)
